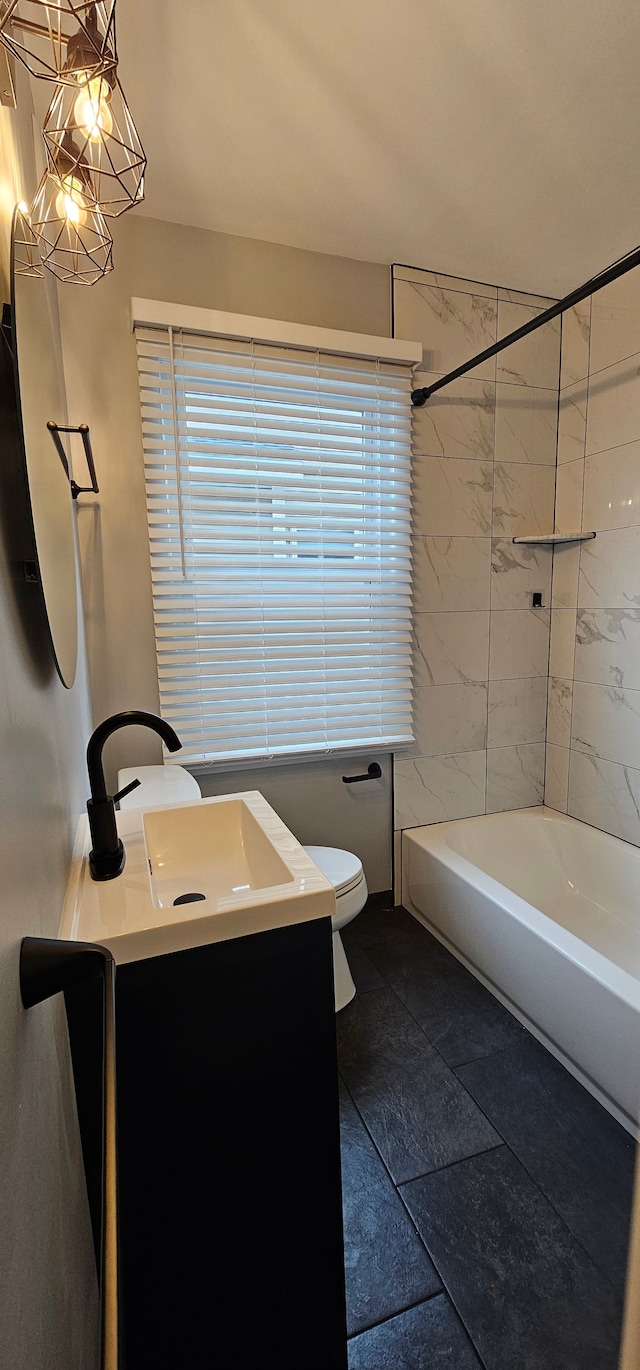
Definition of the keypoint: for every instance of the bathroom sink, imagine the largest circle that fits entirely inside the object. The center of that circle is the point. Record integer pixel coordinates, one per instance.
(214, 852)
(195, 873)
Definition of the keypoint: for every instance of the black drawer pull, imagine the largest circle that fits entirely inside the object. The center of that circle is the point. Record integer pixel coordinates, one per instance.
(373, 773)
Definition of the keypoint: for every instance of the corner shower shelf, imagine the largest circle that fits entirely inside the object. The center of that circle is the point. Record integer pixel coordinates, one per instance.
(552, 539)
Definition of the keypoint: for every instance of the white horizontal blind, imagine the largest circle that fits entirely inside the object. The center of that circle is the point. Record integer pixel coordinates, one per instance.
(278, 497)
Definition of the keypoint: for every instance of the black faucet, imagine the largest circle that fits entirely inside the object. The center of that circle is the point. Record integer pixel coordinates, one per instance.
(107, 856)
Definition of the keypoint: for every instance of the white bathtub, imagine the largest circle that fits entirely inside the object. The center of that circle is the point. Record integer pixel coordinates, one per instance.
(546, 912)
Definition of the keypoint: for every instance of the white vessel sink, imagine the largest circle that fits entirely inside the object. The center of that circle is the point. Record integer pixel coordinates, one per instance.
(216, 851)
(234, 851)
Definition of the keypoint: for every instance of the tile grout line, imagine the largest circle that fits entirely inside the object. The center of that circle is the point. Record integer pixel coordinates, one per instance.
(425, 1034)
(544, 1195)
(449, 1068)
(446, 1287)
(441, 1294)
(462, 1160)
(406, 1308)
(575, 631)
(382, 1159)
(491, 609)
(484, 1151)
(553, 553)
(604, 1277)
(487, 1055)
(508, 290)
(389, 1176)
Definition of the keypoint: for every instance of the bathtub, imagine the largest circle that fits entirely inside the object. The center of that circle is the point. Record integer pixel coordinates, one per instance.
(545, 911)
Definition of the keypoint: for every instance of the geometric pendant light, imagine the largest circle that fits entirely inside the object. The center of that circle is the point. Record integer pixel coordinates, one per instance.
(64, 40)
(26, 247)
(95, 160)
(74, 240)
(94, 128)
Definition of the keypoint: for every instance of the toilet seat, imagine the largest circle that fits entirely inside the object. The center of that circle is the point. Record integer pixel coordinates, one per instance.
(342, 868)
(345, 872)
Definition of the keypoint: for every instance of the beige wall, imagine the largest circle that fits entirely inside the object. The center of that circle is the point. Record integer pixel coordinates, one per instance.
(47, 1270)
(191, 266)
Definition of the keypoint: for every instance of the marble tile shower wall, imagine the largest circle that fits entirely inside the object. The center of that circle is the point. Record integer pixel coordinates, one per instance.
(593, 734)
(485, 454)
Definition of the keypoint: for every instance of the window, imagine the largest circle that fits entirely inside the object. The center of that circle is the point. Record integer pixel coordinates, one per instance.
(278, 496)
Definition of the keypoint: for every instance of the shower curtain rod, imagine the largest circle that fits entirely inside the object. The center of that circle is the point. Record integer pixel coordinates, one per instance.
(627, 263)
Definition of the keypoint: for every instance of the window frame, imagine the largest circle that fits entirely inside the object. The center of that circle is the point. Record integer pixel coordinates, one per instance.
(242, 328)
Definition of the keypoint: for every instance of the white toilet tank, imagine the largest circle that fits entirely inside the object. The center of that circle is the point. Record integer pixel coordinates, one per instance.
(158, 785)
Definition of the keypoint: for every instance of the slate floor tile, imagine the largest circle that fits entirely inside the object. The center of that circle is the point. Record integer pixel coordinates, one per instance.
(418, 1113)
(578, 1155)
(364, 973)
(386, 1265)
(430, 1337)
(462, 1019)
(527, 1293)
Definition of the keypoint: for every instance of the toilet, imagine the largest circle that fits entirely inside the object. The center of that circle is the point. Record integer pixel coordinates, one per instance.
(345, 872)
(175, 785)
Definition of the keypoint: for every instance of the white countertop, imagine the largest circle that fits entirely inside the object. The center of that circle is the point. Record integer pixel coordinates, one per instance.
(120, 914)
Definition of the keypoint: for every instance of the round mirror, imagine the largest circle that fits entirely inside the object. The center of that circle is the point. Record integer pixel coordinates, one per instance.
(41, 398)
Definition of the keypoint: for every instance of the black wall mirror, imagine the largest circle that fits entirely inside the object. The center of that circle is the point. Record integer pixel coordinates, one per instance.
(35, 345)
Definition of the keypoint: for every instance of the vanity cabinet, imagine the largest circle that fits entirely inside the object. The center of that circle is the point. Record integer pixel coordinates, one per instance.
(230, 1222)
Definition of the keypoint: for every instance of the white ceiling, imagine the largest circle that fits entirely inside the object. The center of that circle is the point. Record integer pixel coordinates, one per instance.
(494, 139)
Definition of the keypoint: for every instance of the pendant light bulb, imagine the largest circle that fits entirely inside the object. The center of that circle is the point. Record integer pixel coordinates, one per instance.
(71, 203)
(91, 110)
(90, 134)
(73, 239)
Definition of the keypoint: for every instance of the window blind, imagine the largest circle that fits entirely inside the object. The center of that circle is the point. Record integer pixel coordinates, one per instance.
(278, 498)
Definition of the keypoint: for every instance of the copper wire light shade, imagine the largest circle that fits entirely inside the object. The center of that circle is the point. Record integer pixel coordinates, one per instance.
(96, 163)
(74, 239)
(95, 125)
(26, 247)
(71, 41)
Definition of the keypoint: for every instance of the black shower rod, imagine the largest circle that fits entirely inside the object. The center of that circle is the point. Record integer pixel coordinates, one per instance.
(627, 263)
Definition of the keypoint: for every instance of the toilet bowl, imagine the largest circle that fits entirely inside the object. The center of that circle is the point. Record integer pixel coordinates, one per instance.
(175, 785)
(345, 872)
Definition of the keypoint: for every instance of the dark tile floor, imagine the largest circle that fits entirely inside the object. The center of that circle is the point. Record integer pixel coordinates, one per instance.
(486, 1194)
